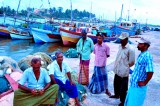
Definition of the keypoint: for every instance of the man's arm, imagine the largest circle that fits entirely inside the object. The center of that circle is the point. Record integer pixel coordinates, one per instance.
(52, 79)
(22, 87)
(131, 57)
(41, 92)
(149, 76)
(47, 86)
(92, 46)
(107, 51)
(78, 46)
(69, 76)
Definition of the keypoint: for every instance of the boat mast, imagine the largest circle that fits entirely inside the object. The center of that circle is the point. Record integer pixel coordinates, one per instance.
(71, 11)
(90, 18)
(17, 12)
(4, 14)
(115, 17)
(121, 13)
(129, 9)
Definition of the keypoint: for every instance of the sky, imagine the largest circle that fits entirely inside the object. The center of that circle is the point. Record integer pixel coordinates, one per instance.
(142, 10)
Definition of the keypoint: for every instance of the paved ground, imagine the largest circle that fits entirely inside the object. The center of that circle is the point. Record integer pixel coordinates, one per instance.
(152, 98)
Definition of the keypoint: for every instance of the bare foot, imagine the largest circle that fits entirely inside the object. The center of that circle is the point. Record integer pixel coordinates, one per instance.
(108, 93)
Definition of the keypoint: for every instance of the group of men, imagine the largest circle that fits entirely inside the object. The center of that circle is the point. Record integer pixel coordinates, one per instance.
(37, 87)
(125, 59)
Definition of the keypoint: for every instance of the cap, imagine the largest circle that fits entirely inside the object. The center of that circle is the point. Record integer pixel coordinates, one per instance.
(144, 40)
(124, 35)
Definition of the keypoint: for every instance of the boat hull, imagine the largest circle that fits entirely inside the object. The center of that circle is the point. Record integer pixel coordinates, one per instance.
(44, 36)
(69, 37)
(117, 30)
(20, 37)
(4, 33)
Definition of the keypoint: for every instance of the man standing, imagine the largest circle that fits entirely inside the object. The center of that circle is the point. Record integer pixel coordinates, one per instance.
(85, 47)
(34, 87)
(58, 70)
(99, 81)
(124, 60)
(141, 75)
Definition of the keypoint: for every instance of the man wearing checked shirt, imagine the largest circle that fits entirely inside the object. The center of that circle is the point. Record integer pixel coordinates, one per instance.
(142, 74)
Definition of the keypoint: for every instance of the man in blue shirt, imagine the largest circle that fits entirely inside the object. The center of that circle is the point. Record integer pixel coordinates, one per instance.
(141, 75)
(85, 47)
(35, 87)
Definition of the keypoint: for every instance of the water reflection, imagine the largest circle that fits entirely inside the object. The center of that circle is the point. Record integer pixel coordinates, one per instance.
(18, 49)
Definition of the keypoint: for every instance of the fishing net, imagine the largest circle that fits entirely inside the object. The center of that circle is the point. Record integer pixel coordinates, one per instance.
(25, 62)
(71, 53)
(8, 65)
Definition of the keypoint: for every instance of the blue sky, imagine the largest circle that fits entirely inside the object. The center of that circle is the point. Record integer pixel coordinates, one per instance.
(141, 10)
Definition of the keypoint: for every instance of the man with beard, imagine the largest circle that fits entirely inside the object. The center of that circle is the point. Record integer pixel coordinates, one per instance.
(124, 60)
(99, 81)
(141, 75)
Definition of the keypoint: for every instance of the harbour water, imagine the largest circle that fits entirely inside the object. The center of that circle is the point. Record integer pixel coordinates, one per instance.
(17, 49)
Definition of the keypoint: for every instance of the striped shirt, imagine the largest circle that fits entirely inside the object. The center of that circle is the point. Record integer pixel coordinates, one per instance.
(143, 65)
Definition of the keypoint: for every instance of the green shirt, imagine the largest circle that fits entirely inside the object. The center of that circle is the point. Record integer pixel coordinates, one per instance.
(86, 48)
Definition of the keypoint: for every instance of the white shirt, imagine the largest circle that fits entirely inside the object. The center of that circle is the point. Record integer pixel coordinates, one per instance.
(124, 57)
(54, 69)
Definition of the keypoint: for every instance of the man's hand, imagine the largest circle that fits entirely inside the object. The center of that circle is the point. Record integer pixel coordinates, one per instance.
(34, 92)
(41, 92)
(141, 83)
(72, 83)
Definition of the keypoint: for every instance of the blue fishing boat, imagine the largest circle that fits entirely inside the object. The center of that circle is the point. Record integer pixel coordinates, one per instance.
(124, 26)
(44, 36)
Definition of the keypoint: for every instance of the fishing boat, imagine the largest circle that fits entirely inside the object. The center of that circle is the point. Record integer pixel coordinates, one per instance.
(20, 34)
(44, 36)
(4, 33)
(6, 98)
(124, 26)
(70, 37)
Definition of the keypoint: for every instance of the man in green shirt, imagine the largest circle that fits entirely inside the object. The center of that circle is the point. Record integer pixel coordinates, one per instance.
(85, 47)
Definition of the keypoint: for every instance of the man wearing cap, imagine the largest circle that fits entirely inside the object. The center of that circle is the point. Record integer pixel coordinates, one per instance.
(141, 75)
(124, 60)
(85, 47)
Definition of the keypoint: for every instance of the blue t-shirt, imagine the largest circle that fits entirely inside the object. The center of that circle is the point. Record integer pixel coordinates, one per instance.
(29, 80)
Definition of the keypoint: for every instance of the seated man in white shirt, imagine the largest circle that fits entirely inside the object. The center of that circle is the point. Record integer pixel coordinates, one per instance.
(57, 71)
(35, 87)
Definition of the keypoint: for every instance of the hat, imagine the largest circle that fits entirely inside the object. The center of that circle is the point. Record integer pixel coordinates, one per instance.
(144, 40)
(124, 35)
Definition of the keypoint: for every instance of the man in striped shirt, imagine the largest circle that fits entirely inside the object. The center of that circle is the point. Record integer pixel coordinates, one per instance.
(142, 74)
